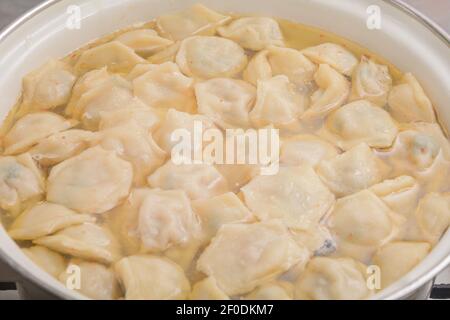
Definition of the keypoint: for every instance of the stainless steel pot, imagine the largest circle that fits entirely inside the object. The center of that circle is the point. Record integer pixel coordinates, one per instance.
(406, 38)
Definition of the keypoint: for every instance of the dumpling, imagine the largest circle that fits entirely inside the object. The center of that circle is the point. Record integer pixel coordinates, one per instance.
(352, 171)
(210, 57)
(305, 149)
(332, 279)
(86, 241)
(361, 223)
(20, 181)
(258, 68)
(114, 55)
(96, 280)
(92, 182)
(43, 219)
(134, 144)
(85, 83)
(422, 151)
(333, 91)
(48, 87)
(50, 261)
(61, 146)
(361, 121)
(113, 94)
(164, 86)
(291, 63)
(199, 181)
(123, 220)
(207, 289)
(226, 101)
(219, 210)
(334, 55)
(254, 33)
(278, 290)
(197, 19)
(400, 194)
(277, 103)
(244, 256)
(371, 81)
(396, 259)
(295, 195)
(147, 277)
(146, 118)
(433, 215)
(144, 41)
(166, 219)
(175, 121)
(32, 128)
(408, 102)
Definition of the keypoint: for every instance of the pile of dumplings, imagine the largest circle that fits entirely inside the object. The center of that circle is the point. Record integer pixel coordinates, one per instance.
(86, 177)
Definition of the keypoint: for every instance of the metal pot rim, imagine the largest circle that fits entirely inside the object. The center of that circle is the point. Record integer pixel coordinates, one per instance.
(399, 4)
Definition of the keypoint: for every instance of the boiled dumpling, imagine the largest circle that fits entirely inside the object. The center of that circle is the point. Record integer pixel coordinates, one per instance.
(361, 223)
(20, 180)
(371, 81)
(164, 86)
(306, 149)
(333, 91)
(361, 121)
(433, 215)
(207, 289)
(147, 277)
(166, 219)
(32, 128)
(146, 118)
(86, 241)
(295, 195)
(48, 87)
(332, 279)
(243, 256)
(258, 68)
(197, 19)
(176, 121)
(226, 101)
(92, 182)
(96, 280)
(200, 181)
(351, 171)
(409, 103)
(61, 146)
(113, 94)
(254, 33)
(43, 219)
(277, 103)
(144, 41)
(291, 63)
(114, 55)
(334, 55)
(134, 144)
(85, 83)
(278, 290)
(400, 194)
(396, 259)
(50, 261)
(210, 57)
(219, 210)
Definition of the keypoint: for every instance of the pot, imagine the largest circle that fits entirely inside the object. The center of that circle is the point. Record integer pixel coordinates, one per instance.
(406, 39)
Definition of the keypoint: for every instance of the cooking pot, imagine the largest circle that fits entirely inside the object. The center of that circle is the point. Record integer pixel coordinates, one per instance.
(406, 39)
